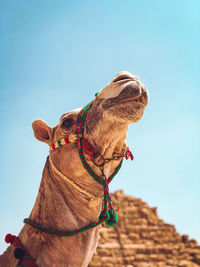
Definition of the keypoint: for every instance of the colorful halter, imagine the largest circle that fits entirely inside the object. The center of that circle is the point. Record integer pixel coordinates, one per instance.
(108, 214)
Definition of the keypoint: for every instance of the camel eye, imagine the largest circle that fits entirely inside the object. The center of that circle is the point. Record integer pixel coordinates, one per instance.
(67, 123)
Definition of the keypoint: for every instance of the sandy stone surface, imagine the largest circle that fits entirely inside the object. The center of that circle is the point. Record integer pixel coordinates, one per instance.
(142, 239)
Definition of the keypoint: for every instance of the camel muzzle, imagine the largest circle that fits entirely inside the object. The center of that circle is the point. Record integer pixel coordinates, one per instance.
(130, 93)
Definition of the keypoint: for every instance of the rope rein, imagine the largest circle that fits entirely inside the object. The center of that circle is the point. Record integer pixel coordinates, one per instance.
(107, 215)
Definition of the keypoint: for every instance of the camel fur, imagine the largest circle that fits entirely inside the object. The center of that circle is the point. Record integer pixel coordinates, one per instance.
(58, 204)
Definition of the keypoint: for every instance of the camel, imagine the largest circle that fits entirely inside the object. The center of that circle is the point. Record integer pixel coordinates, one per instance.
(69, 198)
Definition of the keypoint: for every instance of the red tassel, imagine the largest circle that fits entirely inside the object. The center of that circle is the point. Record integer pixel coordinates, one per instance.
(88, 149)
(67, 140)
(129, 154)
(9, 238)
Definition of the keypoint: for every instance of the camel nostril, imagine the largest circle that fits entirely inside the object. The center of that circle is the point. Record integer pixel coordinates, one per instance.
(121, 78)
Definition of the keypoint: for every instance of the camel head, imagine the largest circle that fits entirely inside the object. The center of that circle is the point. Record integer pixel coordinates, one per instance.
(118, 104)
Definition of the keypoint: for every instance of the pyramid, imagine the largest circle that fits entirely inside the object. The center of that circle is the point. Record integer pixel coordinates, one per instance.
(142, 239)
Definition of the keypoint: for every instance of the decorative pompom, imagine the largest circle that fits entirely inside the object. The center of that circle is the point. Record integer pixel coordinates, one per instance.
(9, 238)
(105, 214)
(113, 218)
(88, 148)
(19, 253)
(78, 144)
(129, 154)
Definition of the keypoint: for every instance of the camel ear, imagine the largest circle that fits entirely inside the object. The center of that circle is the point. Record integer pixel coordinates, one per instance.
(42, 131)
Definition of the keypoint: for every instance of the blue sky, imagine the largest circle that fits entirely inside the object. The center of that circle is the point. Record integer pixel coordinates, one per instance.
(54, 56)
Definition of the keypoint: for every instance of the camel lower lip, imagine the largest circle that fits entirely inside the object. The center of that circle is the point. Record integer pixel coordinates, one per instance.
(129, 100)
(110, 104)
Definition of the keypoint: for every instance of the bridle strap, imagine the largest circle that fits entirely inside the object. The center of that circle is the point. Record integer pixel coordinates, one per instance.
(67, 140)
(107, 215)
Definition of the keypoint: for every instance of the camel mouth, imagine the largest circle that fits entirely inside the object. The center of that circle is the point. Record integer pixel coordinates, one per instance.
(131, 93)
(130, 100)
(138, 101)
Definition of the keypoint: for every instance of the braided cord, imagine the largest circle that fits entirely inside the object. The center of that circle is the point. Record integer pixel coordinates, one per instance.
(88, 168)
(107, 212)
(28, 260)
(82, 118)
(104, 216)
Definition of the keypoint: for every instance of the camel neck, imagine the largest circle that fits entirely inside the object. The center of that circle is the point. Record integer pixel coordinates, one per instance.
(58, 206)
(61, 206)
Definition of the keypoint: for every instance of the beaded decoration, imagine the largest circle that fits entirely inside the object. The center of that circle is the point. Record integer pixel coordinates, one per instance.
(20, 252)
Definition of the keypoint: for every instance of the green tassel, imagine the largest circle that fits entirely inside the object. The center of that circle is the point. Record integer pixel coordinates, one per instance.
(97, 94)
(104, 213)
(113, 218)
